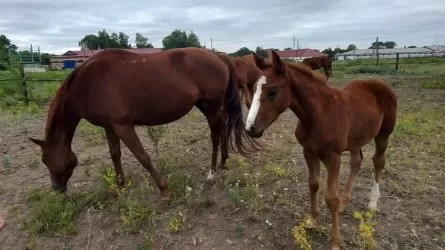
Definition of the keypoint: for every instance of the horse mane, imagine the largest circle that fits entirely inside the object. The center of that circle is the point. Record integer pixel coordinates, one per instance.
(306, 70)
(56, 105)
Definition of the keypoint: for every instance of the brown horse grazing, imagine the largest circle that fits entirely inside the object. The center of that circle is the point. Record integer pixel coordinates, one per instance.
(319, 62)
(117, 89)
(247, 73)
(331, 121)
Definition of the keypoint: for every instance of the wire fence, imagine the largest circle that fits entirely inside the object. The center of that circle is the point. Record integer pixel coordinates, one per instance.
(403, 63)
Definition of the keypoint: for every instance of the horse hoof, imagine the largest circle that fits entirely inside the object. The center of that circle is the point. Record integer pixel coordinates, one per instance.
(311, 223)
(165, 196)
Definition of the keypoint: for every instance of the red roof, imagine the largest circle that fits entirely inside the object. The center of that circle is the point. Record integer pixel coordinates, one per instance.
(298, 53)
(88, 53)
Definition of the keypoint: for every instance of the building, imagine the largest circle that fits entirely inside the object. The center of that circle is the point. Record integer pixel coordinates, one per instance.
(297, 54)
(73, 58)
(426, 51)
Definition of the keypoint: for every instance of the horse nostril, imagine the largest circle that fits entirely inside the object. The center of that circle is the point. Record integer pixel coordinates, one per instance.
(252, 129)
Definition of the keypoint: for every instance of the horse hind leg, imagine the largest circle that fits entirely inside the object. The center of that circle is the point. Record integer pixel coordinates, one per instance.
(355, 162)
(216, 124)
(128, 135)
(115, 152)
(381, 144)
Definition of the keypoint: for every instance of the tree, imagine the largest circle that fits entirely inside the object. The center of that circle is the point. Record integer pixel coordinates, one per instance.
(142, 42)
(90, 42)
(288, 48)
(241, 52)
(390, 44)
(351, 47)
(384, 45)
(103, 40)
(123, 41)
(180, 39)
(412, 46)
(261, 52)
(5, 47)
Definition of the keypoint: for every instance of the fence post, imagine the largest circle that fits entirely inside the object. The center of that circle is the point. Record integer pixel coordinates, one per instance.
(397, 62)
(24, 84)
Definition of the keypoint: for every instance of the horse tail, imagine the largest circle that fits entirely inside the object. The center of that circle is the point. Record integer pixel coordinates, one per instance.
(244, 144)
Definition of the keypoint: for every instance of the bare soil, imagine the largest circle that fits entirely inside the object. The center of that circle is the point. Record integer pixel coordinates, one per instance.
(234, 213)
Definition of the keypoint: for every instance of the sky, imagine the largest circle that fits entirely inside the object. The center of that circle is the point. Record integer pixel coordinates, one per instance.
(58, 26)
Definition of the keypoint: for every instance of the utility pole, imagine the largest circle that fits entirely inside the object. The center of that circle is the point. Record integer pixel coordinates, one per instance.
(377, 49)
(293, 47)
(211, 43)
(298, 43)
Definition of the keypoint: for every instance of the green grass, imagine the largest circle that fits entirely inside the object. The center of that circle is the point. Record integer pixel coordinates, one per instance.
(54, 214)
(407, 67)
(434, 83)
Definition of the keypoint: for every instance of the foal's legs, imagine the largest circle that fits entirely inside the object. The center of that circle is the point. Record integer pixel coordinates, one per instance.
(115, 152)
(313, 165)
(381, 143)
(128, 135)
(332, 163)
(355, 162)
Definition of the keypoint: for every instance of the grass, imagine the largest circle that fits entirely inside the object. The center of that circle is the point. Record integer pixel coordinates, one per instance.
(253, 204)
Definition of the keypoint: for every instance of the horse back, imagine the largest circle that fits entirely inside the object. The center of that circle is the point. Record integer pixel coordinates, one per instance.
(122, 85)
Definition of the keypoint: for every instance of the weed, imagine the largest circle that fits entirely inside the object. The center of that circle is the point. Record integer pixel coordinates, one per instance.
(300, 236)
(34, 163)
(156, 133)
(239, 231)
(7, 163)
(176, 223)
(234, 197)
(276, 170)
(366, 229)
(251, 195)
(134, 213)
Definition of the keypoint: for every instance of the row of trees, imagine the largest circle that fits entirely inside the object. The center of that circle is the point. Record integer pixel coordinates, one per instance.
(103, 40)
(176, 39)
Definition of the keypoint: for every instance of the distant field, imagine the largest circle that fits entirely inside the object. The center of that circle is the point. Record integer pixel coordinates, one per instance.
(259, 203)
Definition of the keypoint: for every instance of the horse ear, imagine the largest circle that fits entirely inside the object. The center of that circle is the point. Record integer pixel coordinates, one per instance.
(277, 63)
(37, 141)
(259, 61)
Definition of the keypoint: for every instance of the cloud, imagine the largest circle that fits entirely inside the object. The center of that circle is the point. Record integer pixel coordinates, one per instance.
(57, 26)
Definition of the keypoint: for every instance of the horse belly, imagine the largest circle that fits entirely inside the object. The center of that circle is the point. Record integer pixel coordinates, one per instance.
(363, 131)
(163, 109)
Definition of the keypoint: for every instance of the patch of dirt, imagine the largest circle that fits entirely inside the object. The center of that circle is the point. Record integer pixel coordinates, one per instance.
(410, 210)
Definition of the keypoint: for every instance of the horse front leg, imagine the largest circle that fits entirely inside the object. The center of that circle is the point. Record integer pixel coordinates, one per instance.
(332, 163)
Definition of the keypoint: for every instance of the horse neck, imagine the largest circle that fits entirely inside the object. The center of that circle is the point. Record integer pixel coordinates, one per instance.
(62, 132)
(308, 96)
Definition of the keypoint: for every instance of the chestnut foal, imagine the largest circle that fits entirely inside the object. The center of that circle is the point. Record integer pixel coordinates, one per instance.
(331, 121)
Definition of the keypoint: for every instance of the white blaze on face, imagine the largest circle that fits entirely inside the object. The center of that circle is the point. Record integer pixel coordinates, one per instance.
(253, 111)
(374, 196)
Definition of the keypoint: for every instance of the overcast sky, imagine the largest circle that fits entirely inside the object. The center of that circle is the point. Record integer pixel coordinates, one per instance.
(58, 25)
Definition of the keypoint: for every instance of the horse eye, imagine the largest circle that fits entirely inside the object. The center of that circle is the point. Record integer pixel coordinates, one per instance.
(272, 93)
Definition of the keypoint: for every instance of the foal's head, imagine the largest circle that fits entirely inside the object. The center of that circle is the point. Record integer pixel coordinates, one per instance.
(60, 162)
(271, 95)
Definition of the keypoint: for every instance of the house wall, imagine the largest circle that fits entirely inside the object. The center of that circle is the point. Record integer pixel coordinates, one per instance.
(296, 58)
